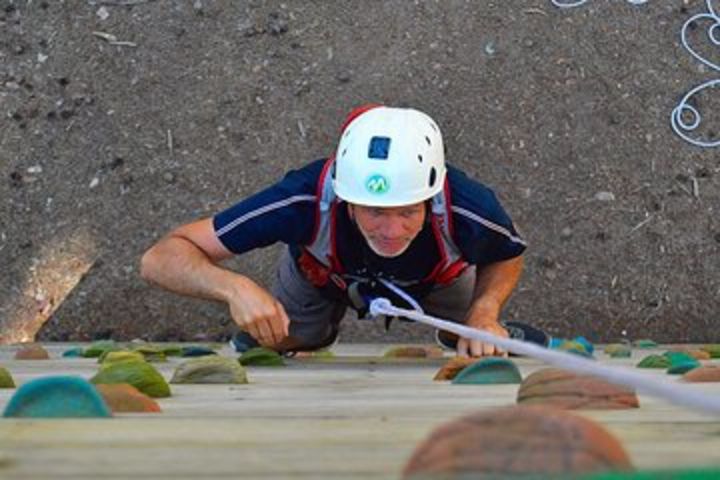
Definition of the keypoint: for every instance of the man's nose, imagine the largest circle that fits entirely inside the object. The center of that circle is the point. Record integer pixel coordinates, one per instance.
(393, 227)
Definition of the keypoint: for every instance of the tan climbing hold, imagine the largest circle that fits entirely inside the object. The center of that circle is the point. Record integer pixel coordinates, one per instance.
(567, 390)
(518, 440)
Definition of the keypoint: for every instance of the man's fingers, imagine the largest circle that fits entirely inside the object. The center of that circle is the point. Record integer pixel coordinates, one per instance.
(462, 347)
(284, 321)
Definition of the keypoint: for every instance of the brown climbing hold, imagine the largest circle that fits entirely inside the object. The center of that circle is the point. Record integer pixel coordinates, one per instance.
(32, 352)
(517, 441)
(567, 390)
(419, 351)
(453, 366)
(707, 373)
(124, 398)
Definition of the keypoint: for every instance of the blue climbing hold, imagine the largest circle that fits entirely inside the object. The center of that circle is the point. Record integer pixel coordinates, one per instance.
(57, 397)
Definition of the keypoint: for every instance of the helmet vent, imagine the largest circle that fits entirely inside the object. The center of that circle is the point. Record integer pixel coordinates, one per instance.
(427, 139)
(343, 152)
(433, 177)
(432, 125)
(420, 158)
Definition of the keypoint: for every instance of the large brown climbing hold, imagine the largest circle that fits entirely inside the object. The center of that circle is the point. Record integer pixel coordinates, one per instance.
(567, 390)
(124, 398)
(707, 373)
(32, 352)
(517, 441)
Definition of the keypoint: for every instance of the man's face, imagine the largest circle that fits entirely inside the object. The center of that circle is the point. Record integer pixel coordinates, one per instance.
(389, 230)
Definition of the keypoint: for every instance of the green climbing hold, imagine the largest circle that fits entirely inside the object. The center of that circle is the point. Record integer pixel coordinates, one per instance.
(690, 474)
(149, 349)
(73, 353)
(6, 380)
(713, 350)
(96, 349)
(682, 367)
(197, 351)
(57, 397)
(645, 343)
(209, 369)
(654, 361)
(261, 357)
(489, 371)
(618, 350)
(119, 356)
(140, 375)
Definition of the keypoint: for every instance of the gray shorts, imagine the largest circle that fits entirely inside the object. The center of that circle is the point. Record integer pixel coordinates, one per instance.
(314, 318)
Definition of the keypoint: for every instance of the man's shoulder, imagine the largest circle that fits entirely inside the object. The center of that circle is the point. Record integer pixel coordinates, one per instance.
(468, 192)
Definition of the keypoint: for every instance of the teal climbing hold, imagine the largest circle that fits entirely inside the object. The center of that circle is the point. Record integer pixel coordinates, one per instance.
(74, 352)
(488, 371)
(197, 351)
(57, 397)
(682, 367)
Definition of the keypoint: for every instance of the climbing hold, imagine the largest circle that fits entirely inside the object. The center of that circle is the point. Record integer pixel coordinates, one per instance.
(261, 357)
(111, 358)
(567, 390)
(140, 375)
(96, 349)
(573, 346)
(713, 350)
(6, 380)
(32, 352)
(209, 369)
(645, 343)
(160, 350)
(124, 398)
(654, 361)
(683, 367)
(418, 351)
(489, 371)
(197, 351)
(453, 366)
(73, 352)
(707, 373)
(618, 350)
(60, 396)
(517, 442)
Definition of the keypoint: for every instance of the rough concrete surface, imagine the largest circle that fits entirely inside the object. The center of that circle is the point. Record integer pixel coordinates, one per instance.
(120, 120)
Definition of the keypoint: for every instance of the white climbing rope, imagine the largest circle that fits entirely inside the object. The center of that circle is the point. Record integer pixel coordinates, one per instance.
(685, 118)
(577, 3)
(678, 394)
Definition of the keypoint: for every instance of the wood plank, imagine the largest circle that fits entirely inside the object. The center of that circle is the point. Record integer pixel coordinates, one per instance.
(349, 419)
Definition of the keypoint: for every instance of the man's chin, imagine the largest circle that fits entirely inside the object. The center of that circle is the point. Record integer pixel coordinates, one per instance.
(388, 252)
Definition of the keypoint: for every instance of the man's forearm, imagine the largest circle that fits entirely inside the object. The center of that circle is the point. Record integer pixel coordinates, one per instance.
(177, 264)
(496, 281)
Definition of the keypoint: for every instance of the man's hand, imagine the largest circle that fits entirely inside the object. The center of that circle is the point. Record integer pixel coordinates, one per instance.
(257, 312)
(483, 316)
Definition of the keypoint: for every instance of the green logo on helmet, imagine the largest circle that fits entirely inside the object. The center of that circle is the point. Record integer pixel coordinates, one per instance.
(377, 184)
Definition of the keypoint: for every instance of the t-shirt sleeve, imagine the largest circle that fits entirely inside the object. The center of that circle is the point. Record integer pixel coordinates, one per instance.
(283, 212)
(483, 230)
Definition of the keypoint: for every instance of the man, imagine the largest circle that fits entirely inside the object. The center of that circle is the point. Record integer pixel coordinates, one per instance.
(383, 217)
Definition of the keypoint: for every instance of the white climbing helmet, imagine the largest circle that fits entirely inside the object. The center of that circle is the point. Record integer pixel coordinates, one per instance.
(389, 157)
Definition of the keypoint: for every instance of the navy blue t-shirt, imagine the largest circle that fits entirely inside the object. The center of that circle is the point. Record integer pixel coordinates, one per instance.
(285, 212)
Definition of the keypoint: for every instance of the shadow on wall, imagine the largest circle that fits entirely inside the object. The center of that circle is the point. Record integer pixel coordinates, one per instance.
(53, 273)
